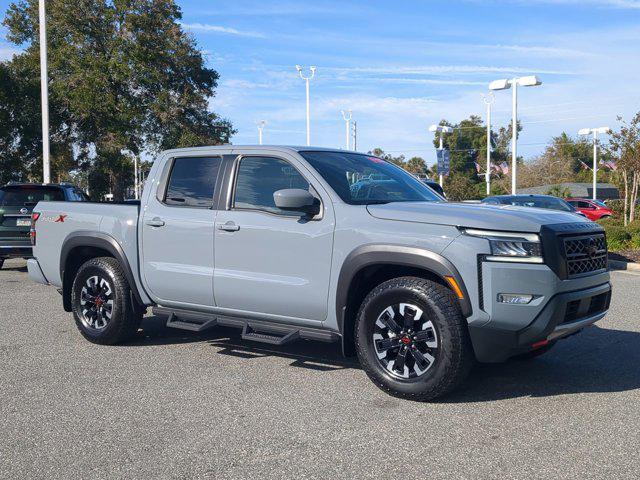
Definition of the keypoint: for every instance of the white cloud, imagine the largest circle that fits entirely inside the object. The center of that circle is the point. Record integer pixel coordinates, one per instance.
(207, 27)
(7, 52)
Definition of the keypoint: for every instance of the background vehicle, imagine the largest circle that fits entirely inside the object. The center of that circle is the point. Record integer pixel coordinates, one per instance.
(16, 204)
(537, 201)
(434, 186)
(289, 243)
(592, 209)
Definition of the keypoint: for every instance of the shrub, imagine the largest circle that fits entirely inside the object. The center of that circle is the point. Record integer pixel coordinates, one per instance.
(618, 238)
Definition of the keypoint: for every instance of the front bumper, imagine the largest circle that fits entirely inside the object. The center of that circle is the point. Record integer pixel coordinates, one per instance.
(564, 314)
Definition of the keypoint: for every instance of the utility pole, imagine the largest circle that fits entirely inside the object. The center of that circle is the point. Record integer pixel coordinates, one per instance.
(306, 79)
(355, 136)
(44, 93)
(488, 101)
(261, 124)
(346, 116)
(595, 132)
(442, 129)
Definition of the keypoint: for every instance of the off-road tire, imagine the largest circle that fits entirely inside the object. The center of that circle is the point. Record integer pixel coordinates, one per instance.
(454, 357)
(125, 315)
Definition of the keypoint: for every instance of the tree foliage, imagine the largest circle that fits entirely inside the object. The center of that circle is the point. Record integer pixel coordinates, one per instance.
(125, 80)
(624, 145)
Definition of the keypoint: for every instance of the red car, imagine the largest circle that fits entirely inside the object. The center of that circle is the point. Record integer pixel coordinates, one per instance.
(593, 209)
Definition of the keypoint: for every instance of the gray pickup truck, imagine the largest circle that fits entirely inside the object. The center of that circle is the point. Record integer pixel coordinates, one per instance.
(295, 243)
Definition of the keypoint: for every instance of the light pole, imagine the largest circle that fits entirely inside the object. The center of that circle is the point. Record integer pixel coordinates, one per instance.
(44, 93)
(261, 124)
(355, 136)
(488, 101)
(504, 84)
(595, 132)
(306, 79)
(346, 116)
(442, 129)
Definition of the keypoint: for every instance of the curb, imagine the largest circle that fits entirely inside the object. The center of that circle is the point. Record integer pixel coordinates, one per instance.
(620, 265)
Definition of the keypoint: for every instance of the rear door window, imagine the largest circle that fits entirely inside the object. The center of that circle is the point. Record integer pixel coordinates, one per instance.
(28, 196)
(192, 182)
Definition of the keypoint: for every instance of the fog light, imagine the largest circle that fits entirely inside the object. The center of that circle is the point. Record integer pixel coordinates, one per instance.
(514, 298)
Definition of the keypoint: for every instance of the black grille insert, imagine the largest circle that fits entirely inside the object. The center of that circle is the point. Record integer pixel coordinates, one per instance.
(585, 254)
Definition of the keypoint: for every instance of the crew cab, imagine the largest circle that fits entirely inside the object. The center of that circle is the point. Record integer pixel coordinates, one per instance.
(16, 204)
(292, 243)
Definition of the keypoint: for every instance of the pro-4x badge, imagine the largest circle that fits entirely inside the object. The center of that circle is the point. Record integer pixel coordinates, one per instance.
(60, 219)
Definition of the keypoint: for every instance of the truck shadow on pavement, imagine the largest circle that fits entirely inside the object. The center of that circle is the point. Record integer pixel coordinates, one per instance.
(597, 360)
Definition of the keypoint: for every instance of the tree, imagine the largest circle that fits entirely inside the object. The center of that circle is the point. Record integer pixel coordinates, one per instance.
(559, 191)
(416, 165)
(624, 145)
(125, 80)
(378, 152)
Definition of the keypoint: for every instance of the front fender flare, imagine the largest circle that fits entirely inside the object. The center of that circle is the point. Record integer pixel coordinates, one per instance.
(381, 254)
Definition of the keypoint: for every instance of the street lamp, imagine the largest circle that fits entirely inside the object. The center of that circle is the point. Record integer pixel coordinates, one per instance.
(504, 84)
(44, 93)
(261, 125)
(595, 132)
(488, 101)
(442, 129)
(306, 79)
(346, 116)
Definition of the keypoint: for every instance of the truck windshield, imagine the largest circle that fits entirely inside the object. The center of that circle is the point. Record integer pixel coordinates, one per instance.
(363, 179)
(28, 195)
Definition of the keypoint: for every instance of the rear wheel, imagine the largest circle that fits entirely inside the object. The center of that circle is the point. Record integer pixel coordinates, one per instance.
(103, 308)
(412, 340)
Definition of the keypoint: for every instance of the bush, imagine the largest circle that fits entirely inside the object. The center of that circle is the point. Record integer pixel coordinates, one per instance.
(618, 237)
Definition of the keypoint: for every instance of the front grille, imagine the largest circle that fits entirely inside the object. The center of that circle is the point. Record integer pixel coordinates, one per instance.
(585, 254)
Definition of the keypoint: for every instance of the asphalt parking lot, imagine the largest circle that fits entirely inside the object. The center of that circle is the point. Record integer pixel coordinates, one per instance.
(183, 405)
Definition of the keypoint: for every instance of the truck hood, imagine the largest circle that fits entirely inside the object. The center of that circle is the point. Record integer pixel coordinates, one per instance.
(482, 216)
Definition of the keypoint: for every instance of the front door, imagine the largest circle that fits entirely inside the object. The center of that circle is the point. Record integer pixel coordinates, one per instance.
(271, 261)
(177, 234)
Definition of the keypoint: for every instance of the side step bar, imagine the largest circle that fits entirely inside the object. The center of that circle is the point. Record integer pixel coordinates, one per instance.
(263, 331)
(174, 322)
(248, 333)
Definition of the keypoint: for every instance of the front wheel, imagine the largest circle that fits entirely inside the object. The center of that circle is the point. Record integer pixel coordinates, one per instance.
(101, 300)
(412, 340)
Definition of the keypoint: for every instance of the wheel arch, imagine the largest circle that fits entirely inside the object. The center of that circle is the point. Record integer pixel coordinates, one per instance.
(370, 265)
(81, 246)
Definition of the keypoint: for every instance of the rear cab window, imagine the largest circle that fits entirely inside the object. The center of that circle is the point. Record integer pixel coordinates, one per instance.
(192, 182)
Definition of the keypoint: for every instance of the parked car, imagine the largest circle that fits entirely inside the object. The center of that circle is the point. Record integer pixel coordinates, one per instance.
(275, 241)
(592, 209)
(537, 201)
(16, 204)
(434, 186)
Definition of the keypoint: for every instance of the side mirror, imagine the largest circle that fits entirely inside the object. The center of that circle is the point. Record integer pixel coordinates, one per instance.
(296, 199)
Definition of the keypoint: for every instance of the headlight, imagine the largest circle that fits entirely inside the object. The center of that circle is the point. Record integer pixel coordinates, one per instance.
(510, 246)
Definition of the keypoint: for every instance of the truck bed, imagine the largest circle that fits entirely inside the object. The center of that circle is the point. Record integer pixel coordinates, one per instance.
(60, 220)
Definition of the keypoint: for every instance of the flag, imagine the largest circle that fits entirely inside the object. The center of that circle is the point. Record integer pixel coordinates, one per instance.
(611, 165)
(478, 167)
(504, 168)
(584, 165)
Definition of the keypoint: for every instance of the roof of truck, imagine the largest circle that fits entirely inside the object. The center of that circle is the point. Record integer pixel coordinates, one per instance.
(281, 148)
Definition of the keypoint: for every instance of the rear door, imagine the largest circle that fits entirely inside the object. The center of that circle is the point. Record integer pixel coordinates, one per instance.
(177, 233)
(269, 261)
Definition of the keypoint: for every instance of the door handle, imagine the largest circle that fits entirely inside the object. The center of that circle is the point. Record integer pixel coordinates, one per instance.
(155, 222)
(229, 226)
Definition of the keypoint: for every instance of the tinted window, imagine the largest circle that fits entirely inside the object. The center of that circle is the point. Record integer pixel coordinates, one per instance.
(192, 181)
(551, 203)
(259, 177)
(77, 195)
(29, 195)
(362, 179)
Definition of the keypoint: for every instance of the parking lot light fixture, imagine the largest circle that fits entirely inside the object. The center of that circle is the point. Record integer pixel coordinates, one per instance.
(595, 132)
(504, 84)
(442, 129)
(346, 116)
(312, 69)
(261, 124)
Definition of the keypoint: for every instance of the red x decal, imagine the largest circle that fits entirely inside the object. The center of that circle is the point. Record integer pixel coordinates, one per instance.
(60, 219)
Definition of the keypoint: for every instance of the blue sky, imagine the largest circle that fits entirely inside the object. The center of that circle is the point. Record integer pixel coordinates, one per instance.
(403, 65)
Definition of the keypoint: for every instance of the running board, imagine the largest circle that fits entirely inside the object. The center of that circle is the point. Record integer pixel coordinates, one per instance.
(174, 322)
(265, 331)
(248, 333)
